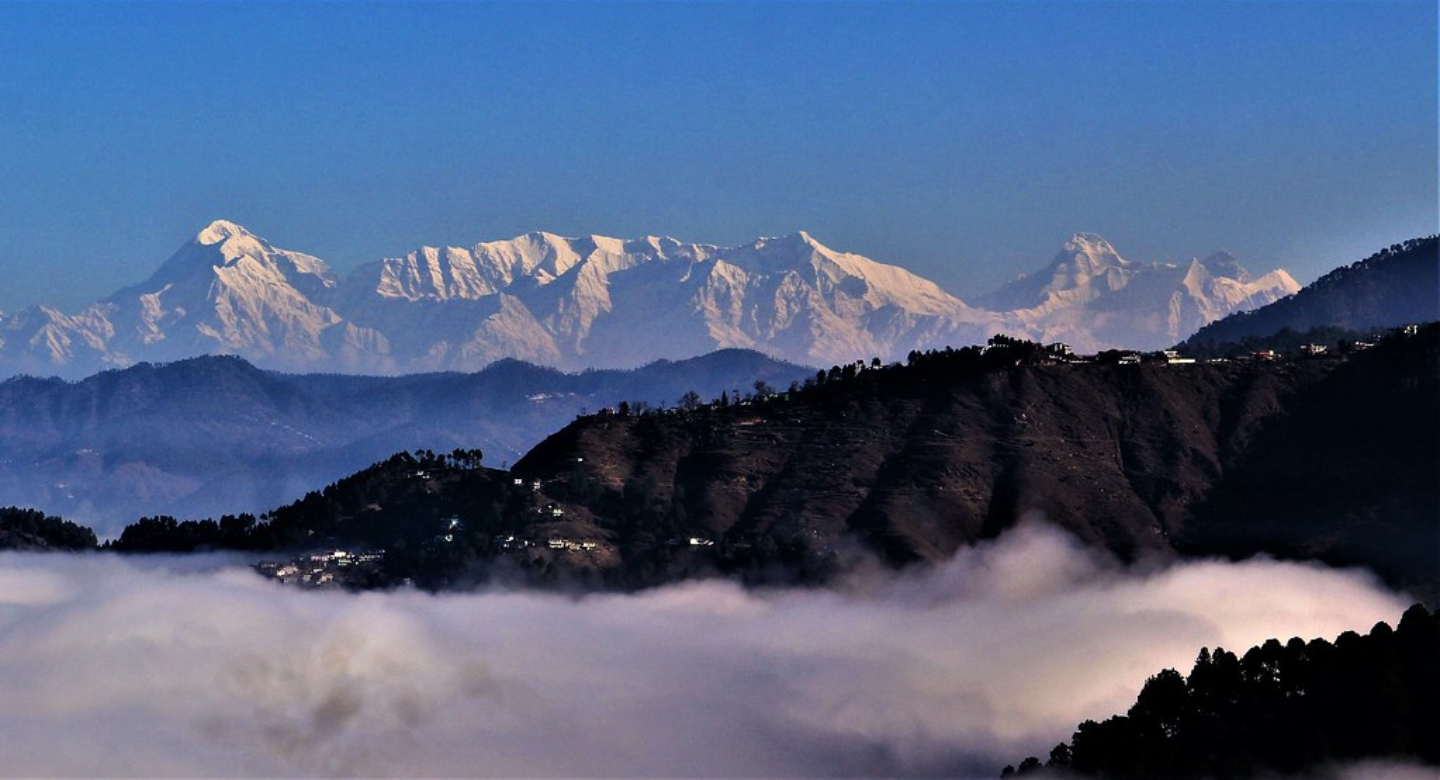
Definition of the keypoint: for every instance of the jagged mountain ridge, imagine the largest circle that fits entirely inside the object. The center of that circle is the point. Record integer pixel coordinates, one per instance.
(1092, 298)
(215, 434)
(601, 302)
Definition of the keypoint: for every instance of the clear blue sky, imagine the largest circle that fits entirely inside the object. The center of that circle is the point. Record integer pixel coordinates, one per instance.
(964, 140)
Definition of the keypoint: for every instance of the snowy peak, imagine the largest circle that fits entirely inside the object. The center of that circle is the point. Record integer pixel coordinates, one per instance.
(849, 281)
(1087, 254)
(522, 263)
(597, 300)
(773, 254)
(799, 241)
(1092, 298)
(1278, 279)
(432, 273)
(1085, 267)
(219, 231)
(801, 253)
(226, 245)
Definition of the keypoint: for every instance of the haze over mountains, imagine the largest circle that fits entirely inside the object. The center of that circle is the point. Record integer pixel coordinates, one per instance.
(216, 435)
(599, 302)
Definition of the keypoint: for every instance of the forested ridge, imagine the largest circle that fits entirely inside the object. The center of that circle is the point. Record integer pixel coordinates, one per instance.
(1395, 286)
(1279, 708)
(916, 460)
(30, 529)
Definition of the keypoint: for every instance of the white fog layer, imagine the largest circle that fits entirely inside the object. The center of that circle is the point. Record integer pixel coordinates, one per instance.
(134, 667)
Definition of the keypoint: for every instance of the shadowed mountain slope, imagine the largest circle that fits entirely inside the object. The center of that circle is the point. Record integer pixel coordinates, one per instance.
(1331, 459)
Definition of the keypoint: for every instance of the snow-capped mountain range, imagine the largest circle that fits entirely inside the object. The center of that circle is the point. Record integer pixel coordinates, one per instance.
(604, 302)
(1092, 298)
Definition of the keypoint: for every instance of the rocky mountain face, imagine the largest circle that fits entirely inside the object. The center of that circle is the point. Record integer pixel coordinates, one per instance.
(1093, 299)
(1399, 285)
(599, 302)
(216, 435)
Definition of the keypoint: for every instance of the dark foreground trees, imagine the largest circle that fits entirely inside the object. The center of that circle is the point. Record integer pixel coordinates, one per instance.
(30, 529)
(1280, 708)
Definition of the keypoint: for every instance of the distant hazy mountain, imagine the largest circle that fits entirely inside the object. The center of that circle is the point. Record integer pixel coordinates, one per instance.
(598, 302)
(1093, 299)
(215, 435)
(1397, 286)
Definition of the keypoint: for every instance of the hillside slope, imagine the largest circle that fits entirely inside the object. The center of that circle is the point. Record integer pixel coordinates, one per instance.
(1332, 459)
(1397, 286)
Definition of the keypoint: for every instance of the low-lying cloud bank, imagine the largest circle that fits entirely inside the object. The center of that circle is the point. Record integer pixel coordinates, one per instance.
(132, 667)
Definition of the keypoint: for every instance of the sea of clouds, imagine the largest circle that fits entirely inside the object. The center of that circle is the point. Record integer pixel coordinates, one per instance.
(113, 666)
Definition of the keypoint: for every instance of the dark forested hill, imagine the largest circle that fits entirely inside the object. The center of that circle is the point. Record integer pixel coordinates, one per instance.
(27, 529)
(215, 434)
(1349, 473)
(1329, 458)
(1396, 286)
(1278, 709)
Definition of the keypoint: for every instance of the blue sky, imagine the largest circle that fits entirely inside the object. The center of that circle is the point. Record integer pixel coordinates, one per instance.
(963, 140)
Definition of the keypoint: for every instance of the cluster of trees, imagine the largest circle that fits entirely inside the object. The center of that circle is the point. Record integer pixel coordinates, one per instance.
(436, 516)
(1000, 352)
(1278, 709)
(691, 401)
(1423, 247)
(334, 511)
(30, 528)
(457, 458)
(164, 533)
